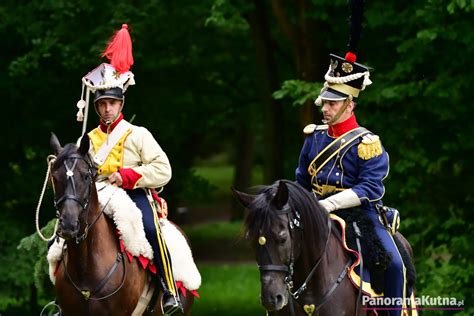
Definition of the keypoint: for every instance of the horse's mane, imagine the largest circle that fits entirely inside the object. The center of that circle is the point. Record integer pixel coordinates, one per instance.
(313, 217)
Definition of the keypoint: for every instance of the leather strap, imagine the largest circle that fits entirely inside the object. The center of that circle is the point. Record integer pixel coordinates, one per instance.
(332, 149)
(273, 267)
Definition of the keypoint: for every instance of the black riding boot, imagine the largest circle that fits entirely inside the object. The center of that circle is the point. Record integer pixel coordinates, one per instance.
(171, 305)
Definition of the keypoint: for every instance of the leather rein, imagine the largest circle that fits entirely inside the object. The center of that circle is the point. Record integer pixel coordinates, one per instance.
(294, 221)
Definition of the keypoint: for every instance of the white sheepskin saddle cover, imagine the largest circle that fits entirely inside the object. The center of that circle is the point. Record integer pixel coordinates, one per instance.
(128, 219)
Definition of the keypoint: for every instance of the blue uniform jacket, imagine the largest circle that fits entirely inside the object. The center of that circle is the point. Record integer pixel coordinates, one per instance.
(345, 170)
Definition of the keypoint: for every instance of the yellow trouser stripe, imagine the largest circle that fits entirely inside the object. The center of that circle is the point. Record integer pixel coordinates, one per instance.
(164, 258)
(414, 312)
(404, 270)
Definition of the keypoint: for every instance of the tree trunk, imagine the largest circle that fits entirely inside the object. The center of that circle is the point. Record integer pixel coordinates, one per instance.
(243, 166)
(310, 53)
(267, 81)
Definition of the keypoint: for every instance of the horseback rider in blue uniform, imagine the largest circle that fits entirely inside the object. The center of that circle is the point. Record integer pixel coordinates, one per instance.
(344, 165)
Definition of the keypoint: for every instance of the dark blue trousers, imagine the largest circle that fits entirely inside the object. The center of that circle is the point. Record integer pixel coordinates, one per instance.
(139, 197)
(395, 275)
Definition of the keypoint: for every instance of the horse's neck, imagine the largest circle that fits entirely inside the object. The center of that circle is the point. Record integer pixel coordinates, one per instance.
(333, 259)
(99, 243)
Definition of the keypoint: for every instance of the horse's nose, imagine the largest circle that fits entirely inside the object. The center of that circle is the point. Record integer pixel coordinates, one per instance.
(68, 228)
(273, 302)
(278, 300)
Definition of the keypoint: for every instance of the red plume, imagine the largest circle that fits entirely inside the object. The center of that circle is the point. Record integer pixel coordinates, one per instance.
(350, 57)
(119, 50)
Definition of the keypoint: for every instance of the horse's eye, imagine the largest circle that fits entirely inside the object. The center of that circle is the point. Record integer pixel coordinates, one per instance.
(282, 239)
(87, 177)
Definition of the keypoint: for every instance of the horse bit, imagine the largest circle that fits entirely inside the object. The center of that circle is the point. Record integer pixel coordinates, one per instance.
(294, 221)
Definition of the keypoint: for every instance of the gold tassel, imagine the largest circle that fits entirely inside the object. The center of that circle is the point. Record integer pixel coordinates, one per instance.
(370, 147)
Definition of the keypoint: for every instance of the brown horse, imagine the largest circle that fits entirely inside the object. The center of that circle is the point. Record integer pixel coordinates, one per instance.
(303, 267)
(94, 278)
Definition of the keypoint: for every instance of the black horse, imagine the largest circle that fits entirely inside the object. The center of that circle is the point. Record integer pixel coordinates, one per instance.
(303, 267)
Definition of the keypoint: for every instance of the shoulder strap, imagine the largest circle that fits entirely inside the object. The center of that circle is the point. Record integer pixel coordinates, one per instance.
(104, 151)
(336, 146)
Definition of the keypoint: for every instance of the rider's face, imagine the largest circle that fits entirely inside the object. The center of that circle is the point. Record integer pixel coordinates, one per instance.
(109, 108)
(331, 108)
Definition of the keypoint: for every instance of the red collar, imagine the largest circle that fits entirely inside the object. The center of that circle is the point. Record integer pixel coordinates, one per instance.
(343, 127)
(104, 127)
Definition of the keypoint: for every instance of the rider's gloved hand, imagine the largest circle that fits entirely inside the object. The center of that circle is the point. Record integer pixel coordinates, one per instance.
(345, 199)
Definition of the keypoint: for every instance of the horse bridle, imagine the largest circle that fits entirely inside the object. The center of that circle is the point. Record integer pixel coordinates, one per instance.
(87, 294)
(294, 221)
(83, 203)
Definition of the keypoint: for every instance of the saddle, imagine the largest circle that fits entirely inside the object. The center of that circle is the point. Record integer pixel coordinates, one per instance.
(376, 258)
(127, 219)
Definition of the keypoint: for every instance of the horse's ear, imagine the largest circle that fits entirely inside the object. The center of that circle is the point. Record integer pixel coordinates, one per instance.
(84, 146)
(244, 198)
(281, 197)
(54, 143)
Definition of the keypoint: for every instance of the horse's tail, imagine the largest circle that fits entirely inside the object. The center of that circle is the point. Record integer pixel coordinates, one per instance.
(406, 253)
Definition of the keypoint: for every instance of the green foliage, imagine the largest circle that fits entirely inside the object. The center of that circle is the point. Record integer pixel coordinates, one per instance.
(226, 16)
(460, 5)
(431, 170)
(15, 271)
(299, 91)
(36, 248)
(24, 273)
(443, 262)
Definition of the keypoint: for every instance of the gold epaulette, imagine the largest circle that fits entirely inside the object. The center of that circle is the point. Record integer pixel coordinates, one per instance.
(309, 129)
(369, 147)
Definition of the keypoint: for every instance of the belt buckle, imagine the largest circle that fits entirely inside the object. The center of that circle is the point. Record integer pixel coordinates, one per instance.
(327, 189)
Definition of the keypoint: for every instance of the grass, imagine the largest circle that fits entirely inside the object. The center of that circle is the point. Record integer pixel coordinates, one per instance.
(230, 290)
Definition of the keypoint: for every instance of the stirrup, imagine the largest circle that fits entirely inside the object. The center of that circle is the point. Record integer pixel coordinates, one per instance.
(174, 308)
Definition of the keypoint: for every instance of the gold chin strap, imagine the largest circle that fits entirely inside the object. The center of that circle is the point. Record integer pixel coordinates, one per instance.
(341, 110)
(108, 123)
